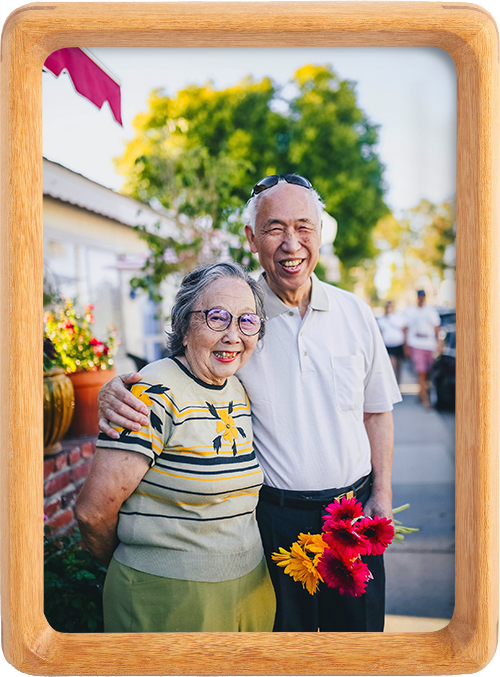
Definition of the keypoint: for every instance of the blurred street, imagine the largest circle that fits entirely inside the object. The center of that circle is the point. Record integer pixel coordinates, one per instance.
(420, 573)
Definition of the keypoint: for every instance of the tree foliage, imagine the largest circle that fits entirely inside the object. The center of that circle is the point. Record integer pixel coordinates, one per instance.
(332, 143)
(418, 243)
(199, 153)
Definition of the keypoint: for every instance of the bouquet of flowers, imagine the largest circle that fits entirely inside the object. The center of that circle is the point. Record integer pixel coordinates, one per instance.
(334, 557)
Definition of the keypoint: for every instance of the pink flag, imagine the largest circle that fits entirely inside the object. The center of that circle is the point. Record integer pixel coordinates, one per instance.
(89, 76)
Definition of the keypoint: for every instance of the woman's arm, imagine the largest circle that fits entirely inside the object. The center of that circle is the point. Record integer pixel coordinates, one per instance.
(113, 477)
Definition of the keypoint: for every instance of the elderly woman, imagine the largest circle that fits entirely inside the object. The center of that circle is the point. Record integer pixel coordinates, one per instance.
(171, 508)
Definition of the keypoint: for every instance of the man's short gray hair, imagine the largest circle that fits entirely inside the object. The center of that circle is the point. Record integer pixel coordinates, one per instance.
(252, 205)
(193, 286)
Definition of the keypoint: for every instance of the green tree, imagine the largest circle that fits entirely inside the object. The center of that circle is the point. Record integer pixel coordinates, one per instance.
(199, 153)
(418, 242)
(431, 228)
(332, 143)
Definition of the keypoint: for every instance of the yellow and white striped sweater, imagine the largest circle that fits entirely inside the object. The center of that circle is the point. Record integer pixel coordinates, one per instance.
(192, 516)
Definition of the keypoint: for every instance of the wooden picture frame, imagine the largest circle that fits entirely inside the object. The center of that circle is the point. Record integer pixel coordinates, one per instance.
(469, 35)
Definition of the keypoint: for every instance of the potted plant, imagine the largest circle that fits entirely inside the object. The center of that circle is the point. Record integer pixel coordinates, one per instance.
(58, 399)
(87, 360)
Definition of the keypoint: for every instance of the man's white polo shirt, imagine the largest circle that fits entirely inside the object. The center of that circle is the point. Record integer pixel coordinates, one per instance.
(309, 385)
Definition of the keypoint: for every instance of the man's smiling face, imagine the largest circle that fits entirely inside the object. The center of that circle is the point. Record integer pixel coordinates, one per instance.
(287, 236)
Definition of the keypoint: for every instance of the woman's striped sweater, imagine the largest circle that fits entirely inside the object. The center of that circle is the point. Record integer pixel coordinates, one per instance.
(192, 516)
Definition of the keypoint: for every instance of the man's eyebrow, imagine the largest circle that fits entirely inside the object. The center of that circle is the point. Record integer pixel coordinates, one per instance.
(270, 222)
(283, 223)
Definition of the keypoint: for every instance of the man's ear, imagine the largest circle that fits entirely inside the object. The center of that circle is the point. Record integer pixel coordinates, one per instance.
(251, 239)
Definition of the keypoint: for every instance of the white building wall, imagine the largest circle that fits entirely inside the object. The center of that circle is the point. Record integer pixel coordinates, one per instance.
(91, 252)
(92, 258)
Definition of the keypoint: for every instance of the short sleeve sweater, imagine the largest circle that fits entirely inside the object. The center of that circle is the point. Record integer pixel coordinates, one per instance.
(192, 516)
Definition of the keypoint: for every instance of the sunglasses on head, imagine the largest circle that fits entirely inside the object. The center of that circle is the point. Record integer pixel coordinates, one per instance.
(270, 181)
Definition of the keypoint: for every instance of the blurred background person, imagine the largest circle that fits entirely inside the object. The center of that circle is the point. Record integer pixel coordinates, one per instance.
(391, 327)
(421, 327)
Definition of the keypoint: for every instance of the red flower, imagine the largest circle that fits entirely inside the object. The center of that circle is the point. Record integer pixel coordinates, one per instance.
(94, 342)
(348, 578)
(379, 532)
(346, 509)
(344, 540)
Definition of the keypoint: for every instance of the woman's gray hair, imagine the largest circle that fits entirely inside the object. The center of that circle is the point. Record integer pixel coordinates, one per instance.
(192, 287)
(252, 205)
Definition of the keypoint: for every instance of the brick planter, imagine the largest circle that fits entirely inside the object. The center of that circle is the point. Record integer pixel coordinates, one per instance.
(64, 473)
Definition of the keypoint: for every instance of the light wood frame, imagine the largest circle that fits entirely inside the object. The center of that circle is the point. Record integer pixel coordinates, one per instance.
(469, 35)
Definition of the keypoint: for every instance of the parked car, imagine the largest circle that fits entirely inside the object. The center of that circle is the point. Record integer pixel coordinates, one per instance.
(443, 373)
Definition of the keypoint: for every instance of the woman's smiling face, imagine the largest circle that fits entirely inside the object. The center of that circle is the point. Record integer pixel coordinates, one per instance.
(213, 356)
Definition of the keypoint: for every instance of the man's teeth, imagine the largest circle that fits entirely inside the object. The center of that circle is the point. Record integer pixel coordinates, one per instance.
(224, 355)
(292, 264)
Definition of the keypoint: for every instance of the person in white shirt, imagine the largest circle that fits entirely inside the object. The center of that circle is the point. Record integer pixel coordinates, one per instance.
(322, 391)
(391, 327)
(421, 334)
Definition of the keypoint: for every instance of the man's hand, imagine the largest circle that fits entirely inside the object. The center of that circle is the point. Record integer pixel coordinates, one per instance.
(117, 404)
(379, 505)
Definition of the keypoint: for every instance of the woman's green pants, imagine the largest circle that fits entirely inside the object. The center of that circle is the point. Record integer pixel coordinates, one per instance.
(138, 602)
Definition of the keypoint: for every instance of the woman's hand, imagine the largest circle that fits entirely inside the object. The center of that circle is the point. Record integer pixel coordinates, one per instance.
(113, 477)
(117, 404)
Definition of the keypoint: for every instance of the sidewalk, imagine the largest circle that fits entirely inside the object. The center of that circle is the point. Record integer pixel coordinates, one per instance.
(421, 572)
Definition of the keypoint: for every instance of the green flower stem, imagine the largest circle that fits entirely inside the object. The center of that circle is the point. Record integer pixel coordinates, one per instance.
(401, 507)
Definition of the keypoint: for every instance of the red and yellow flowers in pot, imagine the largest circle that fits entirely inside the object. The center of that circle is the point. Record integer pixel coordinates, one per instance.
(75, 343)
(87, 360)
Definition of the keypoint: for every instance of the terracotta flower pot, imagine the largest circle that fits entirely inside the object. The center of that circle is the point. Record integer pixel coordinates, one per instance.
(86, 385)
(58, 406)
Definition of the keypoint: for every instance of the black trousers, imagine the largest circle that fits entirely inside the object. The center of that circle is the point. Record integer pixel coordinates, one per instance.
(327, 610)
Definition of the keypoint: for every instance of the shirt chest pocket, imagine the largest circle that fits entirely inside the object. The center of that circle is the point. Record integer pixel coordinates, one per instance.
(348, 379)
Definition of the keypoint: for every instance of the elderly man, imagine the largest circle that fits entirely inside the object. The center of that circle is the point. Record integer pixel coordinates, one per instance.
(322, 391)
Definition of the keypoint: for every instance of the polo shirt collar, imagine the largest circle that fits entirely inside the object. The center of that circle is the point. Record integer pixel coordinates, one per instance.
(274, 306)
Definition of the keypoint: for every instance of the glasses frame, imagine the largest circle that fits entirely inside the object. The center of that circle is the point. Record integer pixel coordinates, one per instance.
(287, 177)
(205, 312)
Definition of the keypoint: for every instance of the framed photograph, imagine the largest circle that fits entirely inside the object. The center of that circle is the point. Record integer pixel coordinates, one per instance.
(469, 36)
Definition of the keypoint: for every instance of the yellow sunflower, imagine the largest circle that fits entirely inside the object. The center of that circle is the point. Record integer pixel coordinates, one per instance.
(138, 391)
(299, 565)
(313, 543)
(226, 424)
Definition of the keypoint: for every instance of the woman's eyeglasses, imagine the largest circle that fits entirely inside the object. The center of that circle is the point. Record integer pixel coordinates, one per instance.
(270, 181)
(219, 319)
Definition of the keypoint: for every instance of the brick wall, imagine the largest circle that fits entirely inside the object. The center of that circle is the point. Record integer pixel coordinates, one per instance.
(64, 473)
